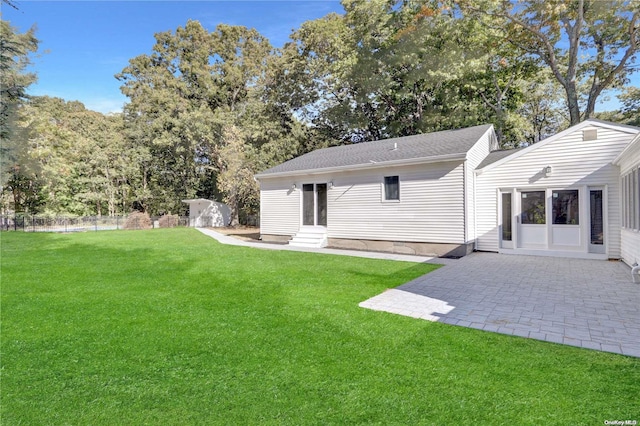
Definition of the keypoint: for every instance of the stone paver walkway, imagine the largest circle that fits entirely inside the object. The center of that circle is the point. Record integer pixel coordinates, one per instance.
(586, 303)
(225, 239)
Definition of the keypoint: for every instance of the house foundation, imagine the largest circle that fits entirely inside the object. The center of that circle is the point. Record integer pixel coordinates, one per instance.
(404, 247)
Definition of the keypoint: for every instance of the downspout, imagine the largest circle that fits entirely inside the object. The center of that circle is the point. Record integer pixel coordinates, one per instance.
(635, 273)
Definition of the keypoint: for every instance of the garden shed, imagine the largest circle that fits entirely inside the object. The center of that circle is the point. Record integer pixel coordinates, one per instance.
(207, 213)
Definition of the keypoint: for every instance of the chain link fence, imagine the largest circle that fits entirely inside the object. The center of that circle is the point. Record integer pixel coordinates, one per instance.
(28, 223)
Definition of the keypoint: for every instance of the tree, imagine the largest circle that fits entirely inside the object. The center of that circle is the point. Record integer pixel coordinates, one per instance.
(73, 161)
(192, 95)
(631, 106)
(581, 41)
(387, 68)
(235, 177)
(542, 108)
(15, 51)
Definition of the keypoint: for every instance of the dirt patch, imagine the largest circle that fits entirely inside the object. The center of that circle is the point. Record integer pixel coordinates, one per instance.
(246, 233)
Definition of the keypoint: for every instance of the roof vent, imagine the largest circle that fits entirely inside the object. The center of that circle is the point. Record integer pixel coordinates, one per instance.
(395, 146)
(589, 134)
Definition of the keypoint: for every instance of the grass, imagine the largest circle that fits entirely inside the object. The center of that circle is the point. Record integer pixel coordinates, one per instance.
(170, 327)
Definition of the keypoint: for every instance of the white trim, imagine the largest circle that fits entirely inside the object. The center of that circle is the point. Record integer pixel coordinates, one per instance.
(590, 122)
(383, 190)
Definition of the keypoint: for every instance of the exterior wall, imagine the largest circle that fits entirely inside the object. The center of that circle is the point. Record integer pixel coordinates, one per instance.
(576, 164)
(475, 156)
(630, 238)
(431, 206)
(279, 207)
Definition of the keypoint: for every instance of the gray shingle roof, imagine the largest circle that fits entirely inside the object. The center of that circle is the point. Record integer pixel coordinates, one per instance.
(495, 156)
(425, 146)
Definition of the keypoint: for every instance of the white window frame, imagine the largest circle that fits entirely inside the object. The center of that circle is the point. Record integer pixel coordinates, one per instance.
(384, 190)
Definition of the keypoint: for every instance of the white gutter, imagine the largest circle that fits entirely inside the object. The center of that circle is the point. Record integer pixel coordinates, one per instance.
(371, 165)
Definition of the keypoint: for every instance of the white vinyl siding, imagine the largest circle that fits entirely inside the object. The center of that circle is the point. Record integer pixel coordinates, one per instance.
(476, 154)
(279, 207)
(575, 163)
(630, 203)
(431, 206)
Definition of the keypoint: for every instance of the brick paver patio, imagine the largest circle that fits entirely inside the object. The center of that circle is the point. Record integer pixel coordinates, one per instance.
(585, 303)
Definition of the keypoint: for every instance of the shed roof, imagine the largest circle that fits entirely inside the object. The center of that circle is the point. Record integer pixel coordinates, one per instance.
(443, 145)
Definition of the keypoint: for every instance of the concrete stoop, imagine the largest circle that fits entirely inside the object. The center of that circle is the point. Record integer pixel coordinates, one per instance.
(310, 236)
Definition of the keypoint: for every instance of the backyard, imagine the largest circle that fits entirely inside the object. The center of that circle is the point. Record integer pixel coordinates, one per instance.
(168, 326)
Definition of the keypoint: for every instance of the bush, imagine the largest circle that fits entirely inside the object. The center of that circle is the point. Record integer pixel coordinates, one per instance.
(138, 220)
(168, 221)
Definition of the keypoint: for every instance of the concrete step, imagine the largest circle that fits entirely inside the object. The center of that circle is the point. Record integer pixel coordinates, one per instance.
(310, 236)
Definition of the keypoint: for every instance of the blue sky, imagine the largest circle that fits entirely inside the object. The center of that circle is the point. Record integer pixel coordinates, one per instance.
(85, 43)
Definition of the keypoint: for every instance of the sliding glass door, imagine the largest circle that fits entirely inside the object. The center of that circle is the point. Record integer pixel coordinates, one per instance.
(314, 204)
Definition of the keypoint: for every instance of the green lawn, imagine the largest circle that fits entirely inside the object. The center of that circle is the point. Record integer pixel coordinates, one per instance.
(169, 327)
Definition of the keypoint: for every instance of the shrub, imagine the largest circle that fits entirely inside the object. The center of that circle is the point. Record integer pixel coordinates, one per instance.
(138, 220)
(168, 221)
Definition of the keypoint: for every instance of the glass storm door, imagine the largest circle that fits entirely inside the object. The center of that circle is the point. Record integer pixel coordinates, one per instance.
(596, 221)
(532, 220)
(506, 224)
(314, 204)
(307, 204)
(565, 219)
(321, 204)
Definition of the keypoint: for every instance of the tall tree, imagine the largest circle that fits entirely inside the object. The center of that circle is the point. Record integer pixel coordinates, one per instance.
(594, 42)
(187, 95)
(15, 51)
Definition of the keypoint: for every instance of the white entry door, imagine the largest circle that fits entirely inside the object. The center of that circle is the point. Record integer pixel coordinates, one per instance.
(532, 220)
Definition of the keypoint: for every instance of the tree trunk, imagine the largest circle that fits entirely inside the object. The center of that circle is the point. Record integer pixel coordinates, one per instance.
(235, 213)
(572, 102)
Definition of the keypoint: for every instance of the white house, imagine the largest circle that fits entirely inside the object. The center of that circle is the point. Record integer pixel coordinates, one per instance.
(450, 192)
(409, 195)
(207, 213)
